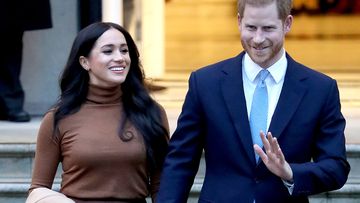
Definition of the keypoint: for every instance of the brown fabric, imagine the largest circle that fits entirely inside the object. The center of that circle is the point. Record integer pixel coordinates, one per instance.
(97, 164)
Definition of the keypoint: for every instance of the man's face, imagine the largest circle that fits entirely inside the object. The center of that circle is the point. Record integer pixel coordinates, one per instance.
(263, 33)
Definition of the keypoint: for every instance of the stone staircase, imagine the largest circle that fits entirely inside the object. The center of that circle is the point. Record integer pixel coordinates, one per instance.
(18, 143)
(16, 162)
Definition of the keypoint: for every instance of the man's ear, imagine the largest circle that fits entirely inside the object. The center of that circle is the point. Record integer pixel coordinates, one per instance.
(239, 21)
(288, 23)
(84, 63)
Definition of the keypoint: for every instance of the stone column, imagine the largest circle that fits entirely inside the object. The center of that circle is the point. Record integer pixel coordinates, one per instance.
(112, 11)
(153, 40)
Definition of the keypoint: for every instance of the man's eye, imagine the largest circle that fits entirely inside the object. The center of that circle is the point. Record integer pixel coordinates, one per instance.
(268, 28)
(251, 27)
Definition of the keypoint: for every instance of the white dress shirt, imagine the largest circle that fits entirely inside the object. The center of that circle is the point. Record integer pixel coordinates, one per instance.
(274, 84)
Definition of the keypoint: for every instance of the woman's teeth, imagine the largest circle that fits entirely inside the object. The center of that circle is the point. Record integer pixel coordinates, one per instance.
(117, 68)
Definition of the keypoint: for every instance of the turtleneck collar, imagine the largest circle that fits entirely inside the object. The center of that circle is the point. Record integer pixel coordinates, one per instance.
(103, 95)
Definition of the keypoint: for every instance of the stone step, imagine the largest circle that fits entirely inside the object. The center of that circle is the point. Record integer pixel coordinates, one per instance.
(16, 161)
(350, 193)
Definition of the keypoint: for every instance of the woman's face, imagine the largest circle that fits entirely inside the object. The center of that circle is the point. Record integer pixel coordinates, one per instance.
(109, 61)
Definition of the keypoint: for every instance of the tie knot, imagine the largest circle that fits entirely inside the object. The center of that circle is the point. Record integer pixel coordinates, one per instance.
(263, 74)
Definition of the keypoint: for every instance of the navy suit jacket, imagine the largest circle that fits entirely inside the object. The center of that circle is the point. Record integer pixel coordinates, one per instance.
(307, 122)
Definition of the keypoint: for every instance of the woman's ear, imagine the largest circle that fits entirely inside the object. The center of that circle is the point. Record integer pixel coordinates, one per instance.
(84, 63)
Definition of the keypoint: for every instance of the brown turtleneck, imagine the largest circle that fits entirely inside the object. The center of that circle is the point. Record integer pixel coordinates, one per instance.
(96, 163)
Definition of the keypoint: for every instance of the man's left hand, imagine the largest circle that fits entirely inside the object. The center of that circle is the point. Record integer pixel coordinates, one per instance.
(273, 157)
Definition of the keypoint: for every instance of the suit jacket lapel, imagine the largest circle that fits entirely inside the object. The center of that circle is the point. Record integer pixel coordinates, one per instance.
(291, 94)
(233, 93)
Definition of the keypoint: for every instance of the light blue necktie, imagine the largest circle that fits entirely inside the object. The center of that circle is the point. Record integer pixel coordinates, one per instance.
(259, 110)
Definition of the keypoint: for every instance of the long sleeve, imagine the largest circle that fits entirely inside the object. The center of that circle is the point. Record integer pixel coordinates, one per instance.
(155, 177)
(185, 149)
(329, 169)
(47, 155)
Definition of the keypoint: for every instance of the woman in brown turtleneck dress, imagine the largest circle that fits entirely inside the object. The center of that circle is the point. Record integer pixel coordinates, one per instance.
(108, 133)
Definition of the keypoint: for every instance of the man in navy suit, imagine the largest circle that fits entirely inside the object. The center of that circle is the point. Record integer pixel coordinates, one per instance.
(302, 151)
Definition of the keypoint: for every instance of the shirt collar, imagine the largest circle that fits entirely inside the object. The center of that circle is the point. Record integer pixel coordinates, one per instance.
(277, 70)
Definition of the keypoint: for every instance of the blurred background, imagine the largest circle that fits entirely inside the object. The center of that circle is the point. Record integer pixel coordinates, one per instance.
(176, 37)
